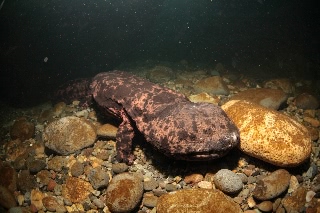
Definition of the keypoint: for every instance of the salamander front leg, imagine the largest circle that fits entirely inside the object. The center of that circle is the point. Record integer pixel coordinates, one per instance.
(124, 138)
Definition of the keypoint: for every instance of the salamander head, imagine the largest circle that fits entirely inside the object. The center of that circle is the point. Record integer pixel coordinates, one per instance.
(198, 131)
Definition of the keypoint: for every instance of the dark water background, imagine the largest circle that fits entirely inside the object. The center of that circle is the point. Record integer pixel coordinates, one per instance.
(44, 43)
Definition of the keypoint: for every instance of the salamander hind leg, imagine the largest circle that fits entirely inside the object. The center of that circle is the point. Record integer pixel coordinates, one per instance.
(124, 138)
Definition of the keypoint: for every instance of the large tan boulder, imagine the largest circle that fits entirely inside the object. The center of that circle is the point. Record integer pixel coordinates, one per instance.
(269, 135)
(197, 200)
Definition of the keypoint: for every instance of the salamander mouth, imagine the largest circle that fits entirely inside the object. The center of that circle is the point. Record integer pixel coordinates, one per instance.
(201, 156)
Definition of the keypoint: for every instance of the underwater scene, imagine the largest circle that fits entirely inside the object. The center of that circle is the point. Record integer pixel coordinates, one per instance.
(156, 106)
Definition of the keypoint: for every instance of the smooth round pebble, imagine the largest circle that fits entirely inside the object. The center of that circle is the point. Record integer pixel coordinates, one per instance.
(265, 206)
(228, 181)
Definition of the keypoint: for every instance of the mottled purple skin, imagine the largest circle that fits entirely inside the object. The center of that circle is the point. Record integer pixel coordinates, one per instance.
(78, 89)
(168, 120)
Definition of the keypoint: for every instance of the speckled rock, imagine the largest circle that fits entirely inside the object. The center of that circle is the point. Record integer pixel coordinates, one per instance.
(26, 182)
(272, 185)
(124, 192)
(36, 199)
(270, 98)
(306, 101)
(22, 129)
(203, 98)
(212, 85)
(57, 163)
(69, 134)
(52, 204)
(196, 200)
(7, 199)
(295, 202)
(76, 190)
(269, 135)
(228, 181)
(283, 84)
(107, 130)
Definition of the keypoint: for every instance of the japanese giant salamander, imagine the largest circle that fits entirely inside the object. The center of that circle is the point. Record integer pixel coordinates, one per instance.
(167, 119)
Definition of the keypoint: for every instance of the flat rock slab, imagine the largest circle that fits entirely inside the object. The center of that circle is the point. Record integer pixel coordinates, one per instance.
(270, 98)
(68, 135)
(269, 135)
(196, 200)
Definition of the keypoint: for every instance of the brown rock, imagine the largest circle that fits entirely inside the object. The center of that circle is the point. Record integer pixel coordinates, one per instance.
(295, 202)
(312, 121)
(272, 185)
(22, 129)
(8, 177)
(76, 190)
(306, 101)
(50, 203)
(69, 134)
(124, 192)
(270, 98)
(283, 84)
(107, 130)
(197, 200)
(193, 178)
(269, 135)
(7, 199)
(212, 85)
(36, 199)
(26, 182)
(203, 98)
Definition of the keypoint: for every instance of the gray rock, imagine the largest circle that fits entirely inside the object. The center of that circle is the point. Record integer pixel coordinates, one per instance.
(150, 201)
(272, 185)
(35, 166)
(124, 192)
(98, 177)
(69, 134)
(119, 167)
(150, 184)
(228, 181)
(77, 169)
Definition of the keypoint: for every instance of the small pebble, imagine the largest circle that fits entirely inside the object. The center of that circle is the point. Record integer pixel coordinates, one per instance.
(310, 195)
(265, 206)
(193, 178)
(119, 168)
(228, 181)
